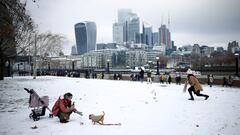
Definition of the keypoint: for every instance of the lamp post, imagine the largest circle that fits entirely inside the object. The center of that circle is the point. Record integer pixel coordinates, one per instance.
(35, 57)
(18, 69)
(72, 64)
(157, 58)
(237, 56)
(24, 67)
(49, 66)
(108, 65)
(31, 68)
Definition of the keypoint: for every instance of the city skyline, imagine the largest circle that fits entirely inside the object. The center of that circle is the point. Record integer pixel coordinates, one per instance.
(204, 22)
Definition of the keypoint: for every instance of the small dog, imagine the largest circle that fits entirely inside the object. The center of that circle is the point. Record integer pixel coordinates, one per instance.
(97, 118)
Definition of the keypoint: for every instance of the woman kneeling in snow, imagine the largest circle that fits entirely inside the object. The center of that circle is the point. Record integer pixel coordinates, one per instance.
(63, 108)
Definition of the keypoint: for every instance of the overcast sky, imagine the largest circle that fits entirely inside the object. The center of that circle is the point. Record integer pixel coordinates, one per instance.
(207, 22)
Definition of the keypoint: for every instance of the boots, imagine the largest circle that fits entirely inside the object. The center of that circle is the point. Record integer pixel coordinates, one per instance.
(206, 97)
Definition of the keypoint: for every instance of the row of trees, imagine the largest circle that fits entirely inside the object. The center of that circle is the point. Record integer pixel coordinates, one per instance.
(19, 36)
(215, 59)
(197, 61)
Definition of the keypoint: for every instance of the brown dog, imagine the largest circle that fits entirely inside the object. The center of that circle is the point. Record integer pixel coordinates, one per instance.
(97, 118)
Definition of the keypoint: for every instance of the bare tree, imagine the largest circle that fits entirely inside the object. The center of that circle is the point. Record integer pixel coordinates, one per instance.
(15, 28)
(47, 44)
(17, 35)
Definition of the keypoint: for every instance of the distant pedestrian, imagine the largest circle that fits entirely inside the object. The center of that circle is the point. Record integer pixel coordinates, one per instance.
(114, 76)
(162, 78)
(195, 86)
(225, 82)
(208, 79)
(169, 79)
(149, 77)
(102, 75)
(132, 77)
(211, 80)
(230, 81)
(119, 76)
(141, 74)
(178, 78)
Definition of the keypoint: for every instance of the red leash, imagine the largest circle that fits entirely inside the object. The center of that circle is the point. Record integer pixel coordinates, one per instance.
(117, 124)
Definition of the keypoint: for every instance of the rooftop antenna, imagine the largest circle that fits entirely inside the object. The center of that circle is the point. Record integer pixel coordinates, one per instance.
(169, 20)
(162, 19)
(143, 27)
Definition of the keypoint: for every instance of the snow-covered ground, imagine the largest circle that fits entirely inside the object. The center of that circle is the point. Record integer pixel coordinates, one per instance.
(141, 108)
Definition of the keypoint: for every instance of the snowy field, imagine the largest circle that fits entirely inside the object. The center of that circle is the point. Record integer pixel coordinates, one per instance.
(141, 108)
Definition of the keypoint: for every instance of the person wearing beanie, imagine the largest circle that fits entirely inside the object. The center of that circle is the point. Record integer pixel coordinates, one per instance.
(195, 86)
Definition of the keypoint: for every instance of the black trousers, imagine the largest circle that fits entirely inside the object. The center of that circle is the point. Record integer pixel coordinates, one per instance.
(191, 89)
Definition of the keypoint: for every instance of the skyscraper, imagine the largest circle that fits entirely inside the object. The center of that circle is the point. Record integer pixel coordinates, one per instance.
(74, 50)
(165, 37)
(123, 15)
(147, 35)
(118, 33)
(155, 38)
(127, 27)
(85, 34)
(132, 27)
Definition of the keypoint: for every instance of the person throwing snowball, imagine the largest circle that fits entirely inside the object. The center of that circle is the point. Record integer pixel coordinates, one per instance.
(195, 86)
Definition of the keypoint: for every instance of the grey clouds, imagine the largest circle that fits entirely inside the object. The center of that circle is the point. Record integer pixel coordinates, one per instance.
(211, 22)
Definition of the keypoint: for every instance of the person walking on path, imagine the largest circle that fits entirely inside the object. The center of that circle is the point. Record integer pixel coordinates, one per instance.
(169, 79)
(141, 73)
(149, 77)
(162, 78)
(195, 86)
(211, 79)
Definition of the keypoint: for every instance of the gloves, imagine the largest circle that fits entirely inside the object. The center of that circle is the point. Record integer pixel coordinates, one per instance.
(72, 107)
(80, 113)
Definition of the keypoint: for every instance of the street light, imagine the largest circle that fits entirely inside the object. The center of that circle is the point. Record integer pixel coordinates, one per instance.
(35, 56)
(237, 56)
(18, 69)
(108, 65)
(72, 64)
(157, 58)
(48, 65)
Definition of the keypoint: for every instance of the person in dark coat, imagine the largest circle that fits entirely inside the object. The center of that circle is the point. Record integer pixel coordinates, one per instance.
(178, 78)
(132, 77)
(230, 81)
(169, 79)
(208, 80)
(102, 75)
(141, 73)
(225, 81)
(114, 77)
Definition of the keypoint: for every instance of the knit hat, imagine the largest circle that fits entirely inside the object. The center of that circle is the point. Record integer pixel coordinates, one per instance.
(189, 71)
